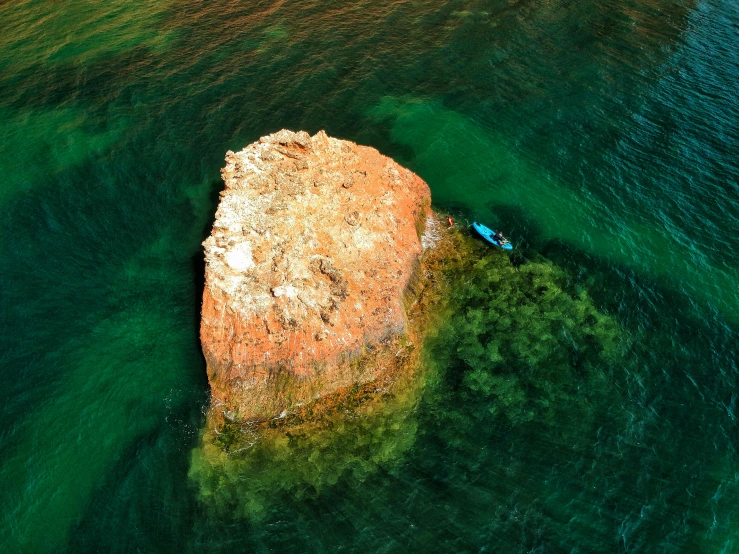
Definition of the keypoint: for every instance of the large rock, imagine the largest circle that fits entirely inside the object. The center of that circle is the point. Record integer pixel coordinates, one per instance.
(314, 244)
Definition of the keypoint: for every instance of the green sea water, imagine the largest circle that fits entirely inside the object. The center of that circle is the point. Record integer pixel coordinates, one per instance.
(581, 395)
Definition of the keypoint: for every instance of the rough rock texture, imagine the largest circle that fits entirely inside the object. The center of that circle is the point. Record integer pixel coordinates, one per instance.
(315, 242)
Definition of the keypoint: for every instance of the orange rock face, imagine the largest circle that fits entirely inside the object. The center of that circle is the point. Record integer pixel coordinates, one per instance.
(314, 244)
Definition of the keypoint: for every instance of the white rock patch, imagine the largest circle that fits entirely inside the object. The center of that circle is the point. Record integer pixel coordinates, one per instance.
(239, 257)
(286, 290)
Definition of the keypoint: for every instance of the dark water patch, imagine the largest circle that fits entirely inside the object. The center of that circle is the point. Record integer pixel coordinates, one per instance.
(462, 213)
(701, 342)
(142, 503)
(680, 381)
(92, 259)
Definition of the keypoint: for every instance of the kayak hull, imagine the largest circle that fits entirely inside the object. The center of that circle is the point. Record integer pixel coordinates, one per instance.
(487, 234)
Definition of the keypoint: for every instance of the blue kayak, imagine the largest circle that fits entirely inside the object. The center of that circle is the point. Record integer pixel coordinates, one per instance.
(487, 234)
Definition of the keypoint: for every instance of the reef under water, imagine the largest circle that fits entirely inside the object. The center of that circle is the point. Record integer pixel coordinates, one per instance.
(523, 341)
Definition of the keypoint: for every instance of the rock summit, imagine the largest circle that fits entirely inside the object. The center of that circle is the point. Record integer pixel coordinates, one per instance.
(315, 244)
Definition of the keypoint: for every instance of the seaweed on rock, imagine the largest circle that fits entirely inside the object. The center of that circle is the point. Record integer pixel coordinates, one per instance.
(249, 472)
(521, 338)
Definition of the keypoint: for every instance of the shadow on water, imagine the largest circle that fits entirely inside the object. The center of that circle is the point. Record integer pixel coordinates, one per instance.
(152, 469)
(378, 135)
(99, 275)
(198, 259)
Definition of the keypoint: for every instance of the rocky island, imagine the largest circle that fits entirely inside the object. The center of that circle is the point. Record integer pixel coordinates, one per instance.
(315, 247)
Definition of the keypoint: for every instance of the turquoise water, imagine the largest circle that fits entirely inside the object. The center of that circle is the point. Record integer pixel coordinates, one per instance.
(602, 136)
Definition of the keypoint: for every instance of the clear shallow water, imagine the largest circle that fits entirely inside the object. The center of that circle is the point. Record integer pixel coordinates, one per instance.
(601, 136)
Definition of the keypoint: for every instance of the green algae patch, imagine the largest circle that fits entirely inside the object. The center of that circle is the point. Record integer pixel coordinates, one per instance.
(245, 470)
(523, 339)
(365, 431)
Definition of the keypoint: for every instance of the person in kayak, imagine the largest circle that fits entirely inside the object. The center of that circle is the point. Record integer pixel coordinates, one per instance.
(499, 238)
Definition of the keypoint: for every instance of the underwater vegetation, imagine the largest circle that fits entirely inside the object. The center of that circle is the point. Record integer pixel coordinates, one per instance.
(244, 472)
(517, 342)
(522, 338)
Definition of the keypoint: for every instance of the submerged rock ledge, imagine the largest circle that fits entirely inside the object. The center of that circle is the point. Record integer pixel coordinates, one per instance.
(315, 246)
